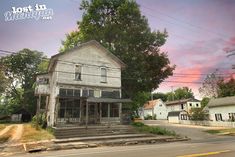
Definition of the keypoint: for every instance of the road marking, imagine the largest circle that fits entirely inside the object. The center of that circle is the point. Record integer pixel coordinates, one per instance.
(205, 154)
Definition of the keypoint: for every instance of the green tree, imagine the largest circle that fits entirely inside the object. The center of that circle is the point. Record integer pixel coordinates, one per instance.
(119, 26)
(160, 95)
(21, 70)
(204, 102)
(226, 88)
(139, 100)
(198, 114)
(180, 93)
(3, 81)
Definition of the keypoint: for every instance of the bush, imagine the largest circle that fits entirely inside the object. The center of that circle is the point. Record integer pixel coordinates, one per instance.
(149, 117)
(39, 121)
(154, 130)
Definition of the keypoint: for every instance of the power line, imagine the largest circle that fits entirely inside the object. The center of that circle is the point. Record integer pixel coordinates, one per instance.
(190, 24)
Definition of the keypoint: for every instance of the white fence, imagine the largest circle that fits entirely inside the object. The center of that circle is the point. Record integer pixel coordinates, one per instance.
(209, 123)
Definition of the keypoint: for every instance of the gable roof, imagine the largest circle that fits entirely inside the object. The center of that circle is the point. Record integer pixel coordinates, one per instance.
(181, 101)
(91, 42)
(226, 101)
(151, 104)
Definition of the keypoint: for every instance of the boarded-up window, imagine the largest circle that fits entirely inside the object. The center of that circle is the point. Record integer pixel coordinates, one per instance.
(78, 72)
(103, 75)
(97, 93)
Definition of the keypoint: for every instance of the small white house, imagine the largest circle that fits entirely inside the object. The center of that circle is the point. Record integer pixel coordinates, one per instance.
(183, 105)
(222, 109)
(155, 107)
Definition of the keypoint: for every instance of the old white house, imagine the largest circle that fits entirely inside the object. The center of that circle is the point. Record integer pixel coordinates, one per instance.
(82, 86)
(155, 107)
(222, 109)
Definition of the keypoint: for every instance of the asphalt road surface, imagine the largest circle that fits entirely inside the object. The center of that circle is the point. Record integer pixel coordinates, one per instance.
(202, 144)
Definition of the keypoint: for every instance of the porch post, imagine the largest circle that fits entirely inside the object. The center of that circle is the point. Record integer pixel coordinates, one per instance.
(108, 115)
(100, 112)
(120, 113)
(80, 111)
(86, 113)
(39, 104)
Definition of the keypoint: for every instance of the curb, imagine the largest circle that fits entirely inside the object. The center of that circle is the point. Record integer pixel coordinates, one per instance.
(52, 146)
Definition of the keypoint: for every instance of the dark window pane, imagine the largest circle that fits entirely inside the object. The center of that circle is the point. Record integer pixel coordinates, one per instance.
(116, 94)
(77, 92)
(85, 92)
(91, 93)
(69, 92)
(104, 110)
(62, 92)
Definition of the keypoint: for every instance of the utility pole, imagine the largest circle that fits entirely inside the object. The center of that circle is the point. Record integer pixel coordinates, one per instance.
(152, 104)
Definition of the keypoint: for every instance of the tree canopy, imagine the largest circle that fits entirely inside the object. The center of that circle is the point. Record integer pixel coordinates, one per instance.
(119, 26)
(226, 88)
(20, 69)
(180, 93)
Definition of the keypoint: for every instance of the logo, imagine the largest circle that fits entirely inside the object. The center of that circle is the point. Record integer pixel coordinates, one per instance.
(39, 11)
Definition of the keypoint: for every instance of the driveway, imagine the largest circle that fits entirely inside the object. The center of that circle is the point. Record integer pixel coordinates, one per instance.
(194, 132)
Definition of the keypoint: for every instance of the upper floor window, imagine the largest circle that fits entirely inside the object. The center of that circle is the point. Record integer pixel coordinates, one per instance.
(197, 105)
(190, 104)
(43, 80)
(78, 72)
(182, 106)
(103, 75)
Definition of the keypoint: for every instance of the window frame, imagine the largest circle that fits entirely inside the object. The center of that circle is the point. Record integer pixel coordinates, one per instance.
(75, 73)
(103, 78)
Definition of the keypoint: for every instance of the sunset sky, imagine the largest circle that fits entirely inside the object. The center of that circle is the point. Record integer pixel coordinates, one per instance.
(199, 33)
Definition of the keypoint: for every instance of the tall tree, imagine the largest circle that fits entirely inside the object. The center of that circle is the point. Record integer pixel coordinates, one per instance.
(161, 96)
(204, 102)
(21, 70)
(226, 88)
(210, 85)
(3, 81)
(180, 93)
(119, 26)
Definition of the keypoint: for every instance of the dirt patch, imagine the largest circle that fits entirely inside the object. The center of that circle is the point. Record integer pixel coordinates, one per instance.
(6, 134)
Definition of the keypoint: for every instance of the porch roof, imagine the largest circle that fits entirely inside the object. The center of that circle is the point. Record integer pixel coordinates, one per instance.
(108, 100)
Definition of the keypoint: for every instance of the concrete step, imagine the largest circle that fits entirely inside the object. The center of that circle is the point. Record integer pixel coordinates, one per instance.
(61, 133)
(101, 138)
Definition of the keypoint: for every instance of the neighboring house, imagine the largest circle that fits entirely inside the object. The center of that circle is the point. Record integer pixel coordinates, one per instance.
(222, 109)
(21, 115)
(183, 105)
(82, 86)
(180, 109)
(155, 107)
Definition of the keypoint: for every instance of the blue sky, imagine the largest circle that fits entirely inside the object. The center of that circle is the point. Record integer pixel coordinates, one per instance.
(199, 32)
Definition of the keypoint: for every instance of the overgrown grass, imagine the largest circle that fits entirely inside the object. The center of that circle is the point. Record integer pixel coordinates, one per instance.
(5, 137)
(153, 129)
(2, 126)
(32, 134)
(222, 131)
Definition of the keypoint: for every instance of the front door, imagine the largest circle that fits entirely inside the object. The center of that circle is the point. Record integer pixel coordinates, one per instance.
(93, 115)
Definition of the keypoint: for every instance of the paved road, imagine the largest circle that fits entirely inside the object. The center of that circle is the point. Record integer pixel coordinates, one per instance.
(202, 144)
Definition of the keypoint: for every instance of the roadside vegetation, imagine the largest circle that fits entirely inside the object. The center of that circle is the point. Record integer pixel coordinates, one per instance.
(31, 134)
(141, 127)
(222, 131)
(5, 137)
(2, 126)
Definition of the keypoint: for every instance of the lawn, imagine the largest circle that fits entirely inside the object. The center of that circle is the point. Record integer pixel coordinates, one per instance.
(222, 131)
(31, 134)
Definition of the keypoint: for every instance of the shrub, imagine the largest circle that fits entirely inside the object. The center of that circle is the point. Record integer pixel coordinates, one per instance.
(148, 117)
(39, 121)
(138, 124)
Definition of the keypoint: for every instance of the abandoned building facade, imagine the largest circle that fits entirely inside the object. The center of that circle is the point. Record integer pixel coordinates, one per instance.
(82, 86)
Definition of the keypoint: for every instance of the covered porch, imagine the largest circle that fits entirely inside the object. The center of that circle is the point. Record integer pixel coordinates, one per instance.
(89, 111)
